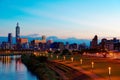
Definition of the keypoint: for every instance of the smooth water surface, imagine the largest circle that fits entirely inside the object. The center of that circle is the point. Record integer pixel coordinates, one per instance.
(11, 68)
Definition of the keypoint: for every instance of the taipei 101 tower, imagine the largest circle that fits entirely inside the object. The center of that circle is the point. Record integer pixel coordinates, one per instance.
(17, 32)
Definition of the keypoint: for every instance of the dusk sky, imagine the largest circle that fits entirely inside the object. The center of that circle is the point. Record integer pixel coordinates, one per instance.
(63, 18)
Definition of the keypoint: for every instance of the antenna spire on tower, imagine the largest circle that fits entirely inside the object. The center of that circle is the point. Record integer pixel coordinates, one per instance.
(17, 24)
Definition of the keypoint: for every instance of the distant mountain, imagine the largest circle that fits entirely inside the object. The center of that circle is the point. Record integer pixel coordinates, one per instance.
(32, 36)
(54, 38)
(70, 40)
(3, 39)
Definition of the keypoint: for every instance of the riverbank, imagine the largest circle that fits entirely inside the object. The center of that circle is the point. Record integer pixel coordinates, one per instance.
(49, 70)
(38, 66)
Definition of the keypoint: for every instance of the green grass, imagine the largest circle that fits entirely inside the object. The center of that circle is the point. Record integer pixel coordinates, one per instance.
(100, 65)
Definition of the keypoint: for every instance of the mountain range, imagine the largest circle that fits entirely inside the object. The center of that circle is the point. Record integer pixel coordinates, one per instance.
(54, 38)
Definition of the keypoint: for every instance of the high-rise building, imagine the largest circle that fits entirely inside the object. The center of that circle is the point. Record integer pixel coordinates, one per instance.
(94, 43)
(17, 32)
(110, 45)
(22, 43)
(10, 38)
(43, 37)
(23, 40)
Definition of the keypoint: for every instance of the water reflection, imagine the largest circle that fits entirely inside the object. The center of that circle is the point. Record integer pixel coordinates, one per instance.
(11, 68)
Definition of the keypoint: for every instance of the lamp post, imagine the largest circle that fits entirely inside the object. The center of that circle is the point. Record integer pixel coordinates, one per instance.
(72, 59)
(81, 61)
(92, 65)
(109, 72)
(64, 58)
(57, 56)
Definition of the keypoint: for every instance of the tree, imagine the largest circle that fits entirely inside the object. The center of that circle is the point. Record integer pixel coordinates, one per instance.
(65, 52)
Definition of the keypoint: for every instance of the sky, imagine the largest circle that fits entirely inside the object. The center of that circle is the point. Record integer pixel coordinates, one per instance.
(81, 19)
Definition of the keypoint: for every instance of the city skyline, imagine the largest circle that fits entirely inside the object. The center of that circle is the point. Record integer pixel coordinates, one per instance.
(63, 18)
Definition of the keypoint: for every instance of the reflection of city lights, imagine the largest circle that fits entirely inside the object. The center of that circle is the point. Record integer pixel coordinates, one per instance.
(19, 65)
(6, 60)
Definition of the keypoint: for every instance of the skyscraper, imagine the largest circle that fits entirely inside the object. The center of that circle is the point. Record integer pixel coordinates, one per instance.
(43, 37)
(10, 38)
(17, 32)
(94, 43)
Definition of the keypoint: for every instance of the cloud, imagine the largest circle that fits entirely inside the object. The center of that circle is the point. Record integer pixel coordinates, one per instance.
(89, 21)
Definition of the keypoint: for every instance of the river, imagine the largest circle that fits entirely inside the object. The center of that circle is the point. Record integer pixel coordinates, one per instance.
(11, 68)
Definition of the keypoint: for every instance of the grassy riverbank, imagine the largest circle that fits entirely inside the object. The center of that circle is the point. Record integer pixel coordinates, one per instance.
(101, 65)
(37, 65)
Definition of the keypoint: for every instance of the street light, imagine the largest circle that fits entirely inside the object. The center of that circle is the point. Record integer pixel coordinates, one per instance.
(109, 72)
(64, 58)
(92, 65)
(57, 56)
(81, 61)
(72, 59)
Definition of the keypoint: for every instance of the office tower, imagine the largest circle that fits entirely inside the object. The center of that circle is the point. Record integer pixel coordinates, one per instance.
(43, 37)
(23, 40)
(10, 38)
(94, 42)
(17, 32)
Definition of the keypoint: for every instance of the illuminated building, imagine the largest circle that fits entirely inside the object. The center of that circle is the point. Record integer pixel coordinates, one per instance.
(110, 45)
(73, 46)
(94, 43)
(17, 32)
(23, 43)
(10, 38)
(67, 45)
(58, 46)
(35, 43)
(5, 45)
(43, 39)
(22, 40)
